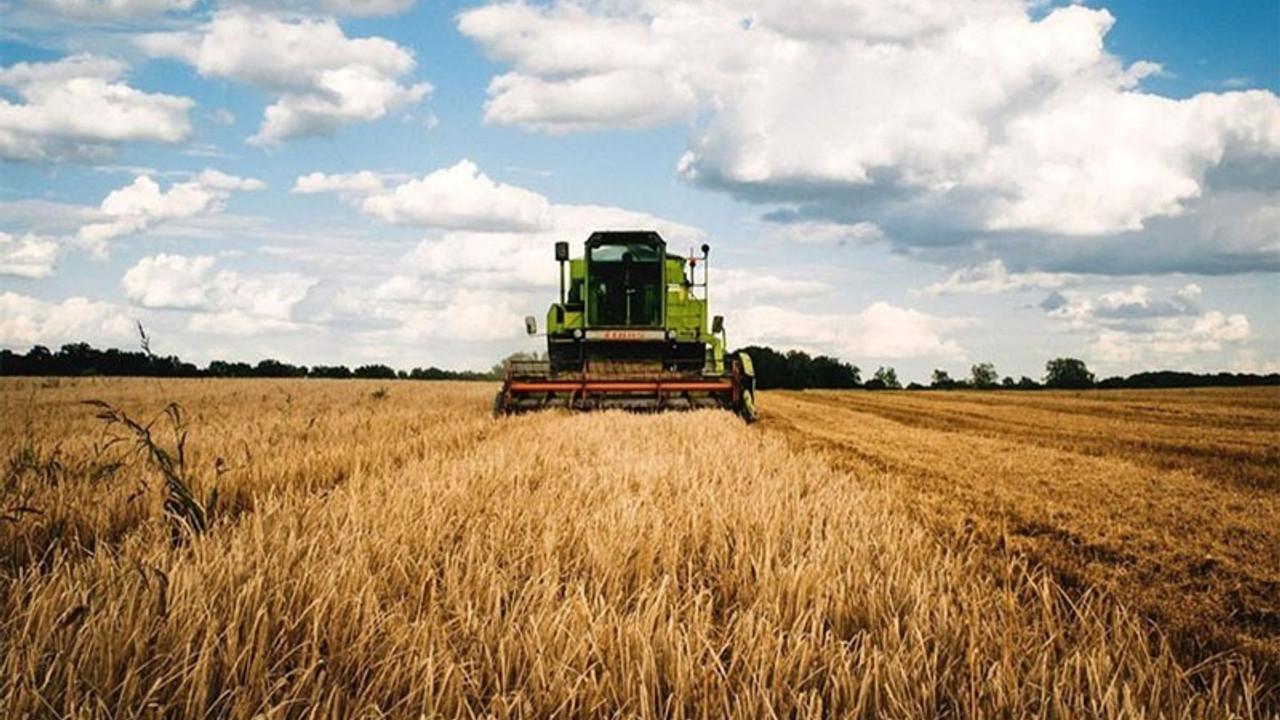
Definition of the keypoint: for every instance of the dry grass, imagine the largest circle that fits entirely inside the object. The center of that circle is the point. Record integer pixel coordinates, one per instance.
(1170, 500)
(408, 556)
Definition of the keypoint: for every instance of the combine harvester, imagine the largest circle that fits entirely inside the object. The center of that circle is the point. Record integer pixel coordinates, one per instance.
(630, 332)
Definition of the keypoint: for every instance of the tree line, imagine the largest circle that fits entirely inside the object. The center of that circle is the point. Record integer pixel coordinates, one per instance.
(797, 370)
(83, 359)
(790, 369)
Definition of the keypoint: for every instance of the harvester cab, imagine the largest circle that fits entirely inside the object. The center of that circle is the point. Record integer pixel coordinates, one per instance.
(630, 331)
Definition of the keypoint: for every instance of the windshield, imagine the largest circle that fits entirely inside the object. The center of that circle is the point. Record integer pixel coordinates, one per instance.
(625, 285)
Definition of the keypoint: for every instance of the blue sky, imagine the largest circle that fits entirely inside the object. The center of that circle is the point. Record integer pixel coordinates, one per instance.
(921, 184)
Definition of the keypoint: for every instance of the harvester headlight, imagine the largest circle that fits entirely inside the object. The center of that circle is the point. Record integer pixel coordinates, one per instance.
(577, 333)
(671, 335)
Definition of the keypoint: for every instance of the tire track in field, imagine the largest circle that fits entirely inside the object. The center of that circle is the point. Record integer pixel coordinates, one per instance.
(1226, 435)
(1196, 556)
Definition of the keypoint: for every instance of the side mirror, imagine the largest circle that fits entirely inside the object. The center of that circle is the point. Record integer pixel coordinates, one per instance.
(530, 325)
(705, 249)
(562, 251)
(717, 324)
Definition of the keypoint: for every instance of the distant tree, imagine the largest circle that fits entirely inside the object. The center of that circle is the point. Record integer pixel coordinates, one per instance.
(337, 372)
(276, 369)
(374, 372)
(1008, 383)
(222, 368)
(941, 380)
(888, 378)
(435, 373)
(983, 376)
(829, 372)
(1026, 383)
(797, 370)
(431, 373)
(1067, 374)
(800, 368)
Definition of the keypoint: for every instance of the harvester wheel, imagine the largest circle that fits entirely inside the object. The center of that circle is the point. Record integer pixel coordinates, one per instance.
(748, 409)
(499, 404)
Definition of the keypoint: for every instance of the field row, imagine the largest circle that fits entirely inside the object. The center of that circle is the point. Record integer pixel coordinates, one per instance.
(1169, 500)
(392, 551)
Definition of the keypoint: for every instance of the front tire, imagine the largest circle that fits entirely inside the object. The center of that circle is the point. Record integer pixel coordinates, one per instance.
(747, 408)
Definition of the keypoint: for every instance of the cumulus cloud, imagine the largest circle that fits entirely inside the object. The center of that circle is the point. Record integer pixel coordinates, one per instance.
(29, 255)
(461, 197)
(225, 302)
(142, 203)
(360, 183)
(940, 122)
(78, 108)
(880, 331)
(465, 200)
(745, 287)
(1132, 325)
(1171, 341)
(26, 321)
(810, 232)
(993, 277)
(321, 79)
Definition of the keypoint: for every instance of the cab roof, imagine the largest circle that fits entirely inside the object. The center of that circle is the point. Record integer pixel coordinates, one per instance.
(625, 237)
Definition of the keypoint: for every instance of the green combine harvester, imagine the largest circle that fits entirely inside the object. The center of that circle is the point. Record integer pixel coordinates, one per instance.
(630, 331)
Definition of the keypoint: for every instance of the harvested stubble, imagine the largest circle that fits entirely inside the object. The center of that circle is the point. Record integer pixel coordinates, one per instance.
(1168, 499)
(603, 565)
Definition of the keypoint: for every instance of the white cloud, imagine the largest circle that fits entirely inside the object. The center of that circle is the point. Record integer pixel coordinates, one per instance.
(996, 120)
(575, 222)
(321, 79)
(735, 286)
(461, 197)
(26, 321)
(993, 277)
(226, 301)
(28, 256)
(78, 108)
(1131, 327)
(1140, 157)
(508, 261)
(576, 70)
(827, 233)
(1172, 340)
(880, 331)
(452, 314)
(363, 182)
(168, 281)
(141, 204)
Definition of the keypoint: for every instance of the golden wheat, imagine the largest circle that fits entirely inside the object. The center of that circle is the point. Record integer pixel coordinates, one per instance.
(401, 554)
(1168, 499)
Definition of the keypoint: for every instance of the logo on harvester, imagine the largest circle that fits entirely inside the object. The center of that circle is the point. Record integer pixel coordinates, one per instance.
(625, 335)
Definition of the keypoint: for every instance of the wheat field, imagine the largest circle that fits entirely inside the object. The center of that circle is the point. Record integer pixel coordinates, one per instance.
(390, 550)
